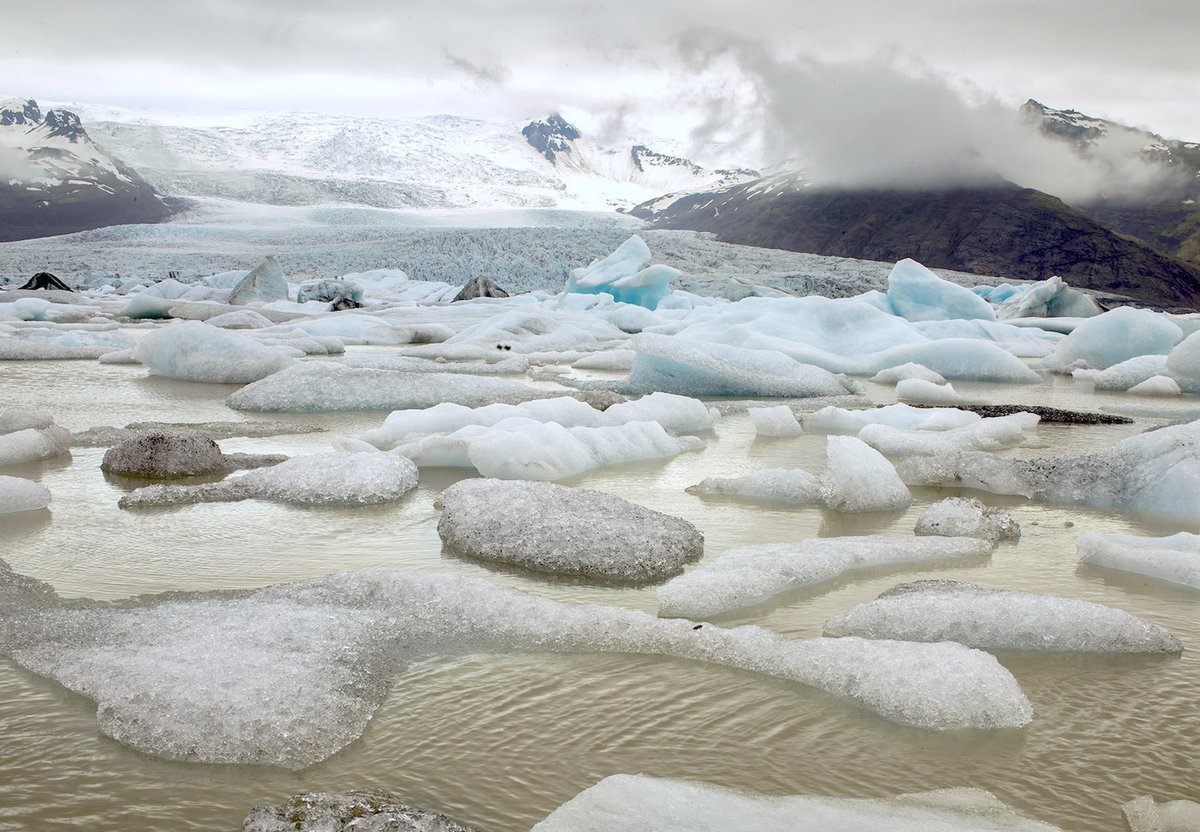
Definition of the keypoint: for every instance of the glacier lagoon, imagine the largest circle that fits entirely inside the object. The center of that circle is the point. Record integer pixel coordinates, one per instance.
(499, 739)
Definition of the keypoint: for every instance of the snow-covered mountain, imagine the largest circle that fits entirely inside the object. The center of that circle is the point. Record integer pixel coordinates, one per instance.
(431, 162)
(55, 179)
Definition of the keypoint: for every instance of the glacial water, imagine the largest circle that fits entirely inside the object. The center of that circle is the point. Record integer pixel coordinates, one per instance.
(499, 741)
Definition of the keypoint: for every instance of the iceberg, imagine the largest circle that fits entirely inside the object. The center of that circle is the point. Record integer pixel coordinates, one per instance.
(841, 420)
(1000, 619)
(775, 421)
(289, 674)
(992, 434)
(1184, 359)
(1156, 386)
(167, 454)
(195, 351)
(787, 486)
(623, 802)
(859, 479)
(959, 517)
(917, 294)
(626, 275)
(33, 444)
(893, 375)
(926, 392)
(752, 575)
(18, 494)
(1126, 374)
(568, 531)
(12, 421)
(1051, 298)
(264, 283)
(1175, 559)
(1119, 335)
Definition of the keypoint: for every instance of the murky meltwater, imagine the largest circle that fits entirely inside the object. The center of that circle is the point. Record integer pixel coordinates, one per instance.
(499, 741)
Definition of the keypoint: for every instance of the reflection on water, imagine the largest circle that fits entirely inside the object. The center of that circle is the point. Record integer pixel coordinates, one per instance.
(500, 741)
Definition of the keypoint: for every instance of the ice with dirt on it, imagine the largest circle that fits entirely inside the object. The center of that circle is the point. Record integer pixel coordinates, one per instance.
(774, 421)
(626, 275)
(1000, 619)
(1156, 472)
(371, 810)
(329, 479)
(173, 453)
(786, 486)
(962, 517)
(894, 375)
(926, 392)
(623, 802)
(524, 449)
(991, 434)
(917, 294)
(840, 420)
(325, 386)
(1145, 814)
(1175, 558)
(195, 351)
(289, 674)
(568, 531)
(860, 479)
(18, 494)
(1119, 335)
(752, 575)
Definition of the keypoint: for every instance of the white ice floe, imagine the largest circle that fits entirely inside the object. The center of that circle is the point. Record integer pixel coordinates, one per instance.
(1184, 360)
(1157, 386)
(322, 386)
(1156, 472)
(12, 421)
(1051, 298)
(1126, 374)
(751, 575)
(264, 283)
(623, 802)
(330, 479)
(289, 674)
(195, 351)
(917, 294)
(18, 494)
(892, 375)
(616, 360)
(626, 275)
(841, 420)
(774, 421)
(1118, 335)
(991, 434)
(959, 517)
(926, 392)
(1175, 558)
(521, 448)
(568, 531)
(1000, 619)
(787, 486)
(33, 444)
(859, 479)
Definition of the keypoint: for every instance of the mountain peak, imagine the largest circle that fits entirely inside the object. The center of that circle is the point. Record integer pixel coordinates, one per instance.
(64, 124)
(551, 135)
(20, 111)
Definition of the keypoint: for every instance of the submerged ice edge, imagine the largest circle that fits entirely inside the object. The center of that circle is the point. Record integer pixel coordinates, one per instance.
(291, 673)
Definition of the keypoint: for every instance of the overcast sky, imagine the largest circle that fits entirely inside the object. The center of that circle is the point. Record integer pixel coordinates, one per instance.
(616, 63)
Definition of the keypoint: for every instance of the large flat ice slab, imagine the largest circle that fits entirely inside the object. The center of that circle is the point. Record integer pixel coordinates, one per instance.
(625, 802)
(195, 351)
(288, 674)
(1175, 558)
(567, 531)
(1000, 619)
(752, 575)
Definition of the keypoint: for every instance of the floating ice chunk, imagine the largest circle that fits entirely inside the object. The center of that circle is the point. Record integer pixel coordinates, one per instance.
(289, 674)
(831, 419)
(1175, 559)
(1118, 335)
(225, 280)
(12, 421)
(1157, 472)
(1052, 298)
(28, 349)
(353, 811)
(520, 448)
(607, 360)
(859, 478)
(789, 486)
(32, 445)
(106, 436)
(241, 319)
(323, 386)
(1000, 619)
(674, 364)
(622, 802)
(19, 494)
(143, 306)
(893, 375)
(752, 575)
(1146, 815)
(118, 357)
(918, 294)
(992, 434)
(195, 351)
(775, 421)
(404, 425)
(1024, 342)
(569, 531)
(1125, 375)
(341, 293)
(332, 479)
(162, 454)
(1157, 386)
(1184, 360)
(926, 392)
(681, 414)
(624, 274)
(169, 288)
(959, 517)
(264, 283)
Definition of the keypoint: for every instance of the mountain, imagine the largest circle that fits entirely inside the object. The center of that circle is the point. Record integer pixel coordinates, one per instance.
(1166, 218)
(54, 179)
(430, 162)
(999, 229)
